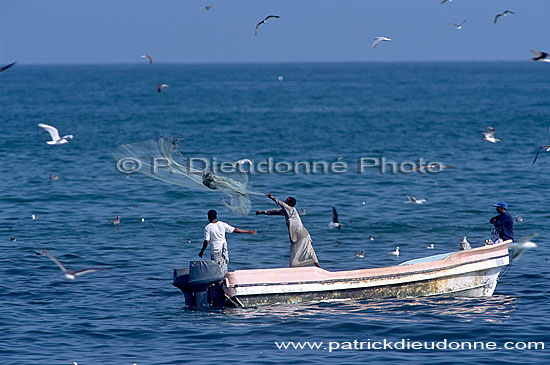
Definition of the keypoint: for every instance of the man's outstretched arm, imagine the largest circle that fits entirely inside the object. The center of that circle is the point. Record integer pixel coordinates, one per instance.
(284, 206)
(275, 211)
(247, 231)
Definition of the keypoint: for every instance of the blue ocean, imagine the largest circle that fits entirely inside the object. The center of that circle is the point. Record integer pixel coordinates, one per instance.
(399, 113)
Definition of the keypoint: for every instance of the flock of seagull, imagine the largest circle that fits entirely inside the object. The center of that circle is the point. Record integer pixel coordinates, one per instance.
(539, 55)
(488, 136)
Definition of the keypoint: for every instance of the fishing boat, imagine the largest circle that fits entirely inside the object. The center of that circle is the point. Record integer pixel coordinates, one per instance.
(468, 273)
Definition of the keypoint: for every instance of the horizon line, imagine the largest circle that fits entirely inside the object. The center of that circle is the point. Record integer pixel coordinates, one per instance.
(268, 62)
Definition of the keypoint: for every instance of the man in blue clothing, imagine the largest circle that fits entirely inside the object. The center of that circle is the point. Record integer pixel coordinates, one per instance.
(503, 222)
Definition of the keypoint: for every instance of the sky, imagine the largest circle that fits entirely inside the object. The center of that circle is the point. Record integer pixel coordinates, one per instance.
(182, 31)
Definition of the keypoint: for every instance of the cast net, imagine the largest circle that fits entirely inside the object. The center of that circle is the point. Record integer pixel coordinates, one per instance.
(160, 159)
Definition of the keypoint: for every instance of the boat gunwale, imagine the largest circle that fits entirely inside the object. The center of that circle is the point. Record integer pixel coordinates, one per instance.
(453, 260)
(398, 275)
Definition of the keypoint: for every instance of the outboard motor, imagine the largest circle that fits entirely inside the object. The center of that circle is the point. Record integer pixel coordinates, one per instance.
(201, 284)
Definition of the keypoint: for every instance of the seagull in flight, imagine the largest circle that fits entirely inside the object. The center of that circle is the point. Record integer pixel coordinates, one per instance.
(161, 86)
(547, 147)
(54, 133)
(413, 200)
(458, 26)
(69, 274)
(519, 247)
(394, 252)
(489, 136)
(4, 68)
(148, 57)
(377, 40)
(335, 223)
(504, 13)
(263, 22)
(540, 56)
(361, 254)
(242, 162)
(208, 7)
(445, 1)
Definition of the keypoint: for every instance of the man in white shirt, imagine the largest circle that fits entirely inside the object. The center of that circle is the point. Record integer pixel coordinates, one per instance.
(214, 234)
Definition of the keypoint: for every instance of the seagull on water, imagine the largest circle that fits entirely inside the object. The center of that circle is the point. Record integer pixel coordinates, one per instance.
(69, 274)
(413, 200)
(116, 221)
(458, 26)
(547, 147)
(263, 22)
(378, 40)
(525, 243)
(431, 246)
(464, 244)
(361, 254)
(33, 217)
(148, 57)
(13, 239)
(54, 177)
(489, 136)
(519, 218)
(394, 252)
(540, 56)
(434, 166)
(189, 240)
(54, 133)
(4, 68)
(504, 13)
(303, 212)
(335, 223)
(371, 238)
(161, 86)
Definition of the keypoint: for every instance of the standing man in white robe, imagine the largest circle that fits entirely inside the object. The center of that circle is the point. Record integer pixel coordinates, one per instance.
(301, 249)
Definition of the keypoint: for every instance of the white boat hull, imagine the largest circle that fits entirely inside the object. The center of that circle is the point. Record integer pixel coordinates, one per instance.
(471, 273)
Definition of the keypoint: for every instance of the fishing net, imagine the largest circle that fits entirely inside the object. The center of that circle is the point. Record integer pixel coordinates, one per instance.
(161, 160)
(495, 237)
